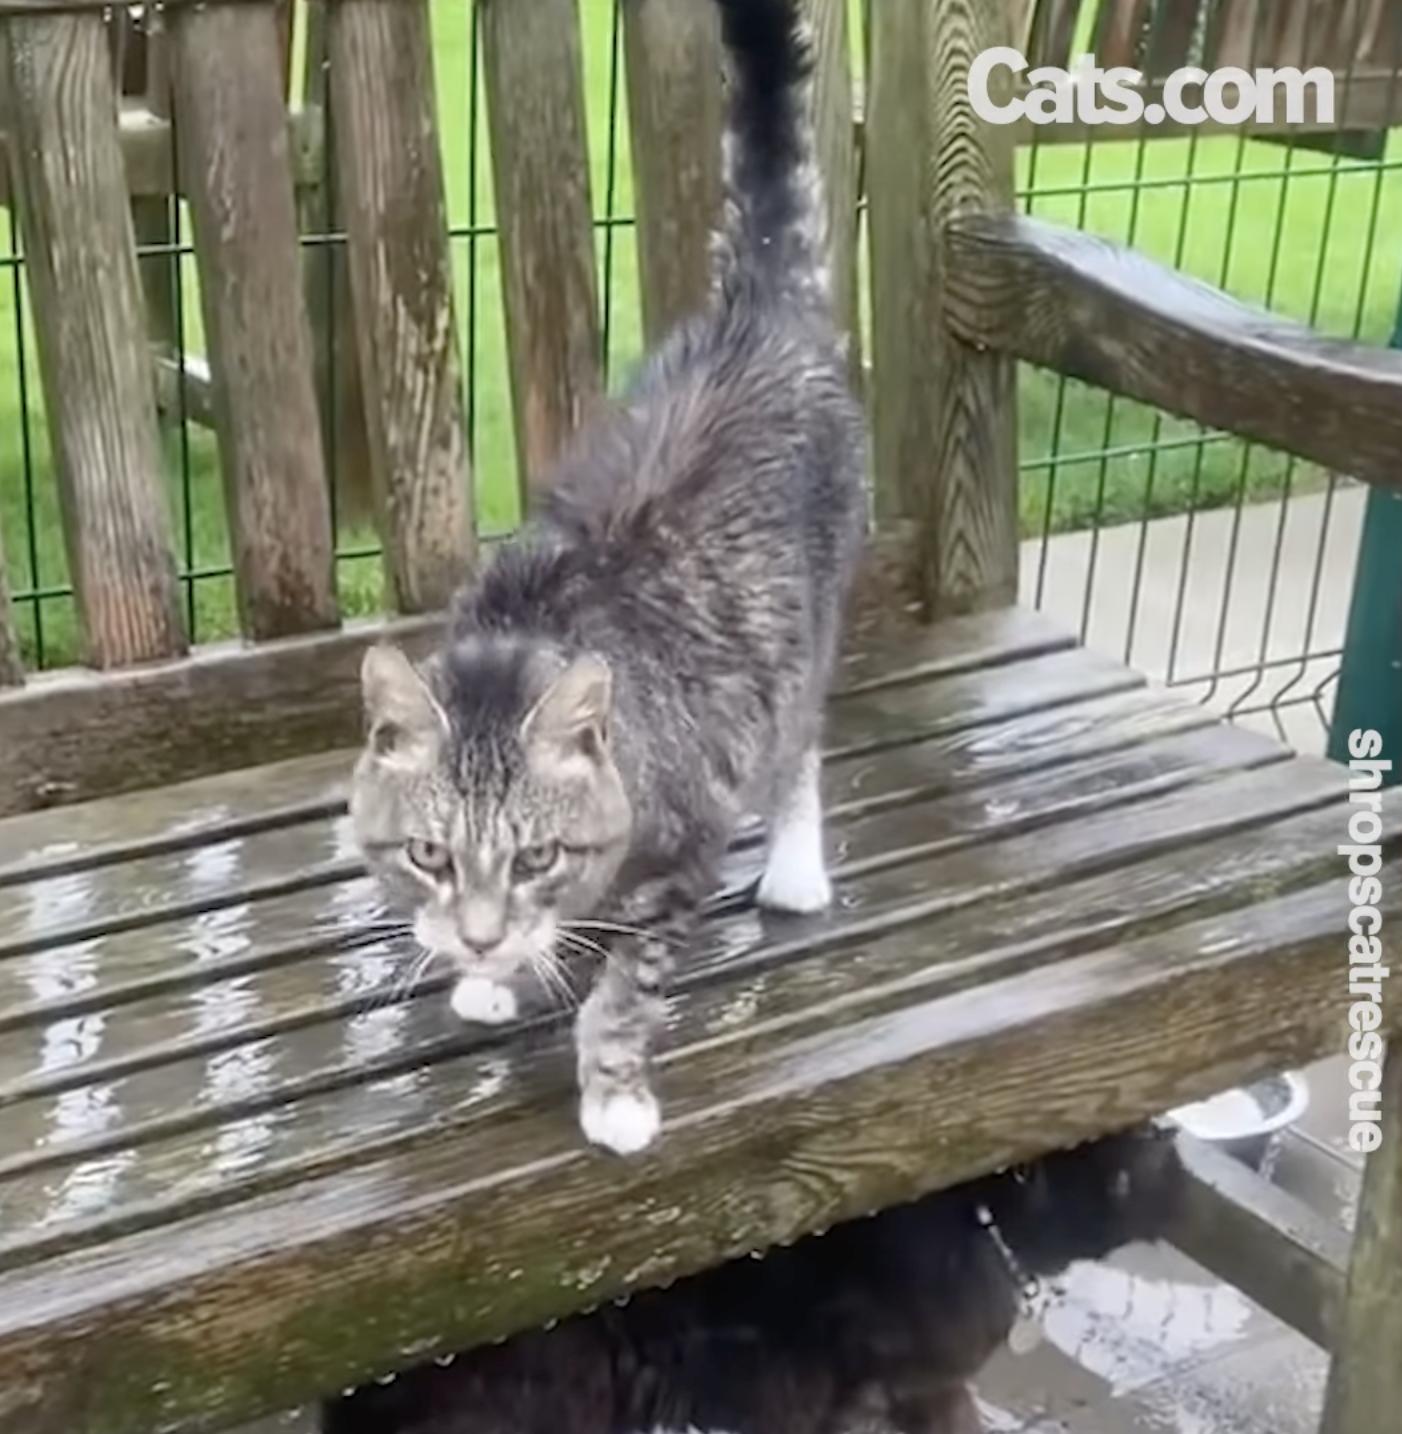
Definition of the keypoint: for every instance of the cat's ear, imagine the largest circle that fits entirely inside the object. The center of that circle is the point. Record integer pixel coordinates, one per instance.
(571, 719)
(402, 715)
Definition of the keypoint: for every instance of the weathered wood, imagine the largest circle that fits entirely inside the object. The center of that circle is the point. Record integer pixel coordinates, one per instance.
(90, 331)
(326, 281)
(843, 1126)
(234, 151)
(1119, 32)
(391, 195)
(151, 214)
(540, 164)
(286, 980)
(673, 58)
(1263, 1241)
(837, 161)
(68, 735)
(943, 411)
(1366, 1378)
(11, 664)
(1053, 28)
(1089, 308)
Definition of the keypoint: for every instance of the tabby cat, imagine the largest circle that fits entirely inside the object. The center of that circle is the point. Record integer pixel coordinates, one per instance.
(647, 660)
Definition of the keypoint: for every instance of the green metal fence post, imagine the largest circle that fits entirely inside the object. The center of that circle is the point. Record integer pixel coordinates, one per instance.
(1370, 680)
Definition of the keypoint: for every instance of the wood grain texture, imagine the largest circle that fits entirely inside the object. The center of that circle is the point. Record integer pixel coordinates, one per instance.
(540, 164)
(1366, 1378)
(326, 281)
(1097, 311)
(392, 199)
(90, 333)
(234, 149)
(675, 114)
(67, 736)
(776, 1127)
(11, 663)
(835, 142)
(944, 411)
(1263, 1241)
(1052, 30)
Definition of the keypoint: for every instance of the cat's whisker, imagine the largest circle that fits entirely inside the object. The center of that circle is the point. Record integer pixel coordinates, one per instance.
(621, 929)
(582, 943)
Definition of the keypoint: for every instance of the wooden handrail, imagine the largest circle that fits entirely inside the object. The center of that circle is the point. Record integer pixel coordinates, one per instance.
(1097, 311)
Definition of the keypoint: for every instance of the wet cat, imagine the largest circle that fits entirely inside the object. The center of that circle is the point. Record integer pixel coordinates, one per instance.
(877, 1326)
(647, 660)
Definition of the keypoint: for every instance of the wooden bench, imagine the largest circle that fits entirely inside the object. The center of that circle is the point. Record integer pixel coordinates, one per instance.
(246, 1156)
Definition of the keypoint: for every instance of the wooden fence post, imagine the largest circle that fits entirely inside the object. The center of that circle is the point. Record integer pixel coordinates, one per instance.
(1365, 1380)
(330, 304)
(91, 333)
(673, 62)
(11, 667)
(238, 175)
(945, 432)
(540, 164)
(392, 197)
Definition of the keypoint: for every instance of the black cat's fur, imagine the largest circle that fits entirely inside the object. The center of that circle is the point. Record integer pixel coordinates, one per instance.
(879, 1324)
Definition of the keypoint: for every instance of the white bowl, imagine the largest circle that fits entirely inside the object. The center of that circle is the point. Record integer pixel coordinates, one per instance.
(1245, 1119)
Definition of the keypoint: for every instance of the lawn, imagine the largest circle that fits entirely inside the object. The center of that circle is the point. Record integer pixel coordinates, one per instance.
(1294, 229)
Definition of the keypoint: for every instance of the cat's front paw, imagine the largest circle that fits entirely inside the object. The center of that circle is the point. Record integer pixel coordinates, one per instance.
(624, 1121)
(475, 998)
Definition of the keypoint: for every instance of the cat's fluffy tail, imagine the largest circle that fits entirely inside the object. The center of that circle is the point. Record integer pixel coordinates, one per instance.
(775, 231)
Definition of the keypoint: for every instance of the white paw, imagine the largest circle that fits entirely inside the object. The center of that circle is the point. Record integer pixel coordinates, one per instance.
(624, 1122)
(797, 886)
(475, 998)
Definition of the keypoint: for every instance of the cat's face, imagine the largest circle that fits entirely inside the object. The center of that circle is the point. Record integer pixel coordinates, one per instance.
(490, 834)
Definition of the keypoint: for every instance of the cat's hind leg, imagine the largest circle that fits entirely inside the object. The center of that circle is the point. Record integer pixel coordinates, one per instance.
(795, 873)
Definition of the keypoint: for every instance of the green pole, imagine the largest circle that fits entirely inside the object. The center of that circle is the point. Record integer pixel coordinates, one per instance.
(1370, 679)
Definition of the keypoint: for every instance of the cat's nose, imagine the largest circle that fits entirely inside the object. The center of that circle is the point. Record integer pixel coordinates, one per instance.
(481, 928)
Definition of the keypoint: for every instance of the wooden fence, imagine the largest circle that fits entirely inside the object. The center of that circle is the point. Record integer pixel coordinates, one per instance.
(106, 117)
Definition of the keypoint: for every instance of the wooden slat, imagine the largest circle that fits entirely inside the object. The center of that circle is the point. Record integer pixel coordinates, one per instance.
(11, 663)
(234, 151)
(1263, 1241)
(1096, 311)
(176, 816)
(146, 1048)
(1170, 38)
(1053, 29)
(391, 194)
(1119, 30)
(540, 165)
(943, 411)
(837, 160)
(673, 60)
(151, 214)
(326, 282)
(774, 1129)
(70, 735)
(1366, 1378)
(131, 1102)
(90, 331)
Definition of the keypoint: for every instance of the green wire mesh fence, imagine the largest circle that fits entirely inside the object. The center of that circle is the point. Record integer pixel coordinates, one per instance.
(1217, 566)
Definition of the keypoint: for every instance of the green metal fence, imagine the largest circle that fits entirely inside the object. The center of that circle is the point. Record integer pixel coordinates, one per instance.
(1219, 566)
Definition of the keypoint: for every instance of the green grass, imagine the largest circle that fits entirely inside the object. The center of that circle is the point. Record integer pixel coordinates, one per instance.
(1320, 245)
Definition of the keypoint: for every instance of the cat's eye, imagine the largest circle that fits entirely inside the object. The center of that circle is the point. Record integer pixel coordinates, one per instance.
(431, 857)
(535, 860)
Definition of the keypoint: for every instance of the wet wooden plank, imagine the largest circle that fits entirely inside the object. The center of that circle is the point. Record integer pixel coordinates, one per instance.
(391, 193)
(864, 721)
(230, 944)
(1364, 1378)
(68, 735)
(675, 113)
(882, 886)
(792, 1120)
(238, 171)
(531, 59)
(47, 1052)
(90, 330)
(943, 415)
(1099, 312)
